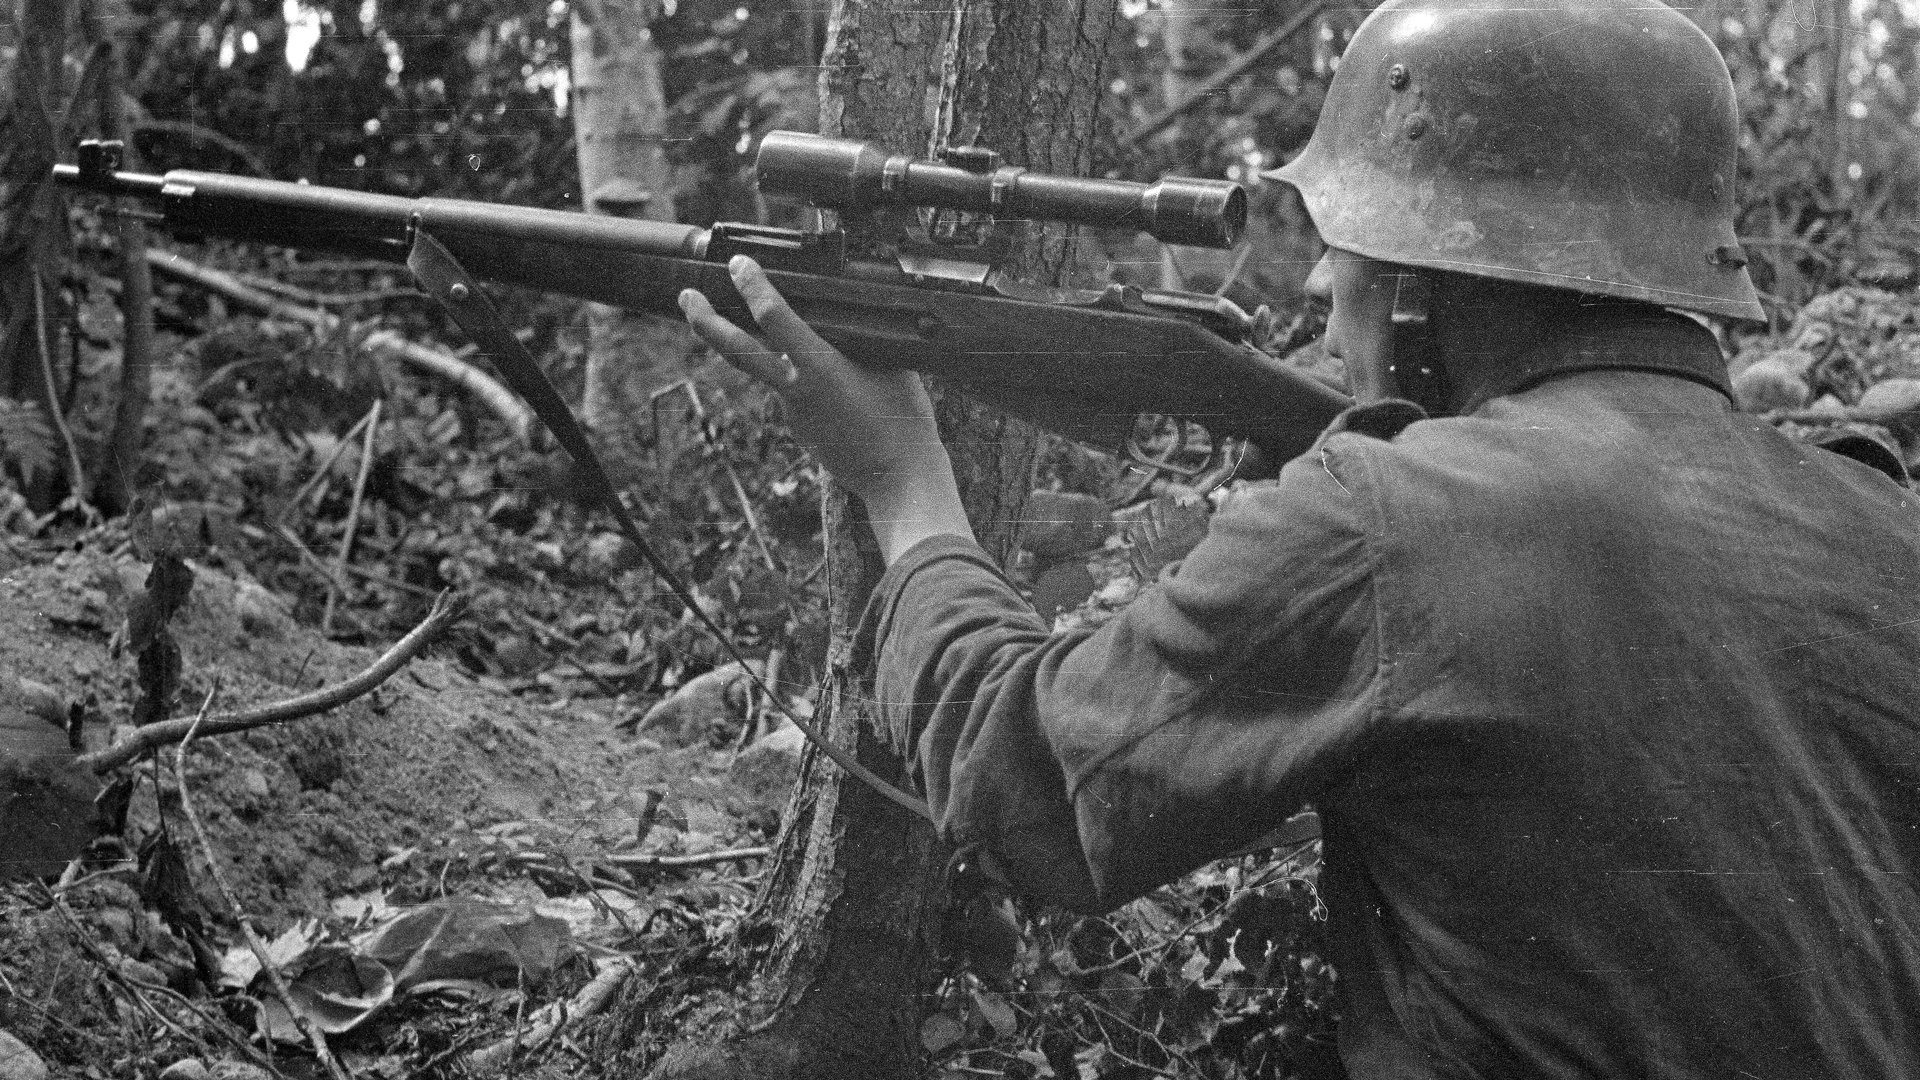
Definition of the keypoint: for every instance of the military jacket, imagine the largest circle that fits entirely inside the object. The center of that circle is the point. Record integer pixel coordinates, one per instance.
(1608, 697)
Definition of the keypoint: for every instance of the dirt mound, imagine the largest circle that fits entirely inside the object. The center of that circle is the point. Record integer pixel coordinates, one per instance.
(307, 811)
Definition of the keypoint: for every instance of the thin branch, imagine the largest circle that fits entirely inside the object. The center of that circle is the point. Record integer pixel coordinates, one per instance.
(707, 858)
(552, 1019)
(648, 862)
(353, 514)
(275, 977)
(1234, 69)
(326, 468)
(497, 398)
(76, 476)
(194, 131)
(565, 647)
(321, 300)
(446, 610)
(739, 489)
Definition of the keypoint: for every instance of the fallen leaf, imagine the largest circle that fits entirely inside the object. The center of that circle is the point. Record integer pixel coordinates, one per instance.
(239, 965)
(994, 1009)
(941, 1031)
(336, 990)
(461, 939)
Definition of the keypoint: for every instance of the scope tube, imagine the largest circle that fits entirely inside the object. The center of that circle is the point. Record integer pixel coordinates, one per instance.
(845, 174)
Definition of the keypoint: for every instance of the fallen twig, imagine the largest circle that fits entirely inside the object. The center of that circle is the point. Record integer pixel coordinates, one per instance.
(278, 981)
(568, 647)
(317, 566)
(320, 300)
(494, 396)
(542, 860)
(550, 1020)
(705, 858)
(446, 609)
(326, 468)
(353, 516)
(733, 475)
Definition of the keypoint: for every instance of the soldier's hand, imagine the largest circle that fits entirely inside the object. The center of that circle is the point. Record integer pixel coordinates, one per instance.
(871, 428)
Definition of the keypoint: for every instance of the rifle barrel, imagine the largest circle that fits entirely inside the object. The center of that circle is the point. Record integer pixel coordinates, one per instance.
(364, 224)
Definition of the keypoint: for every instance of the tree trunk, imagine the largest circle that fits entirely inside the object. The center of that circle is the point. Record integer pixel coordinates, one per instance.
(118, 471)
(1835, 17)
(855, 892)
(855, 895)
(619, 119)
(33, 228)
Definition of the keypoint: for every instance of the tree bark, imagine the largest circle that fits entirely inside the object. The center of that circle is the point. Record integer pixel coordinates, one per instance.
(117, 473)
(855, 894)
(620, 110)
(1835, 17)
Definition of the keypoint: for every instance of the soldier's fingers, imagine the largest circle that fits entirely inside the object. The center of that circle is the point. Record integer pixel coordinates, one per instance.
(771, 312)
(735, 346)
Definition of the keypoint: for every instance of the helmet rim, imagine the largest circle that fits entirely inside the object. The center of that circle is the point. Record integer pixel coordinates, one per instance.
(1494, 143)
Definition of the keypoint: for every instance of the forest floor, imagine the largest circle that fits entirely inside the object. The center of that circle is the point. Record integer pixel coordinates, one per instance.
(432, 786)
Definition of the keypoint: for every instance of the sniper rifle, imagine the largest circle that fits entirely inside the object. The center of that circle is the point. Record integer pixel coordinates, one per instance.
(913, 274)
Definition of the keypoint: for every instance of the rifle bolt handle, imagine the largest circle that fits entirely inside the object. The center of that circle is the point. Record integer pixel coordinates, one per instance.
(457, 290)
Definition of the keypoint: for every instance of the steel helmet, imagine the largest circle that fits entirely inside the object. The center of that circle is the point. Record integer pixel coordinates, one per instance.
(1583, 144)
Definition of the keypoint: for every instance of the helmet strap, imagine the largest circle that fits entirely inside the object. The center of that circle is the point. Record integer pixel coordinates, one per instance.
(1416, 371)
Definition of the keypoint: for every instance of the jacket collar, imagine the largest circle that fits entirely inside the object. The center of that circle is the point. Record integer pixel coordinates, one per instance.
(1628, 337)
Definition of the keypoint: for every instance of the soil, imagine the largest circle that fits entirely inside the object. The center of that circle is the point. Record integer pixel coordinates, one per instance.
(305, 812)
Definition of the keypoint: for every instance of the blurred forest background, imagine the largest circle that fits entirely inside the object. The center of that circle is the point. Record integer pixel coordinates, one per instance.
(308, 418)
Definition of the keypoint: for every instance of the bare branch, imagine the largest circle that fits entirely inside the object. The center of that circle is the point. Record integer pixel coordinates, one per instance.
(353, 516)
(494, 396)
(76, 478)
(321, 300)
(198, 133)
(552, 1019)
(445, 611)
(644, 862)
(1218, 81)
(708, 858)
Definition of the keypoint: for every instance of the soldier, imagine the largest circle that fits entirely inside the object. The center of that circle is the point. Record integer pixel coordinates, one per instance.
(1606, 694)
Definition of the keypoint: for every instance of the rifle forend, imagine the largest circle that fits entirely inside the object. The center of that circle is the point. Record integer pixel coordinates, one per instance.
(842, 174)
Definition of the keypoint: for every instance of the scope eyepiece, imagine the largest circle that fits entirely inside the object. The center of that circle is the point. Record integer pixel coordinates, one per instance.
(845, 174)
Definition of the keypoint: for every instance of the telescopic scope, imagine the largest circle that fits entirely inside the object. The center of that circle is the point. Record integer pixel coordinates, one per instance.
(845, 174)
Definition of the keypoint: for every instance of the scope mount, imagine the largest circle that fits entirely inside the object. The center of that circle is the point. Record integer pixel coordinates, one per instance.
(99, 159)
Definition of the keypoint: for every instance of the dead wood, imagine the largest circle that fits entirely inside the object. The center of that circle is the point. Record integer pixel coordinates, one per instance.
(551, 1020)
(656, 862)
(497, 398)
(446, 609)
